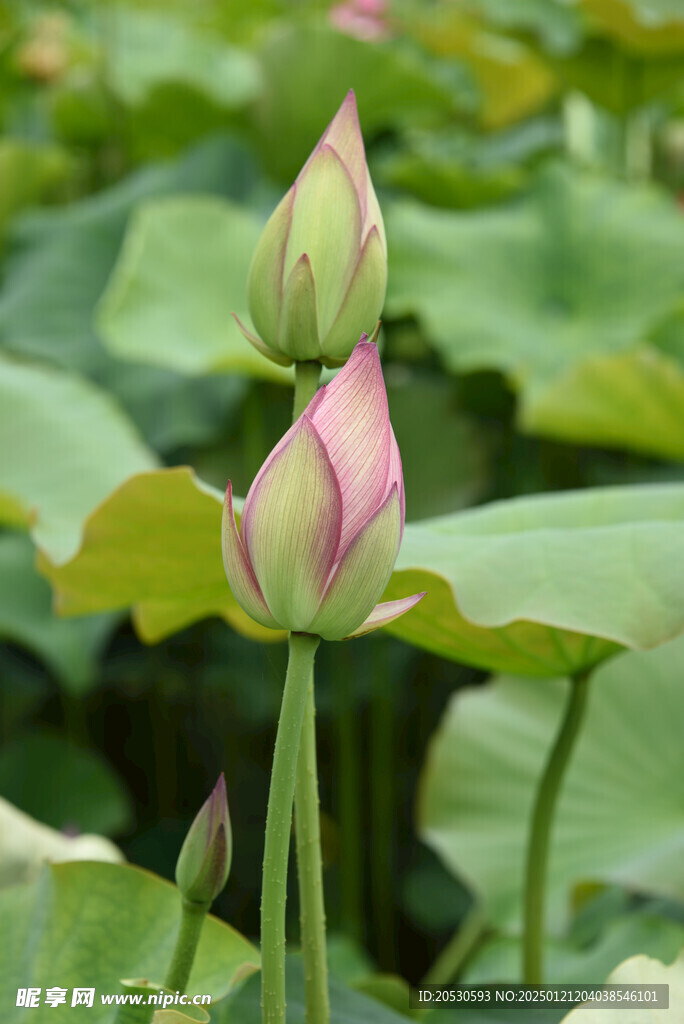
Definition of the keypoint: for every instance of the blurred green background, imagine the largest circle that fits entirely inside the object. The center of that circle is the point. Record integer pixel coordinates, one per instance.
(529, 160)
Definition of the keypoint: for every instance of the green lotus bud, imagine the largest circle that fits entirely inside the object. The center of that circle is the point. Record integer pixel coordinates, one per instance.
(319, 272)
(204, 862)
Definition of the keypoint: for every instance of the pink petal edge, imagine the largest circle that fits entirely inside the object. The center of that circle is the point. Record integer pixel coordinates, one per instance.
(352, 418)
(395, 475)
(241, 578)
(387, 612)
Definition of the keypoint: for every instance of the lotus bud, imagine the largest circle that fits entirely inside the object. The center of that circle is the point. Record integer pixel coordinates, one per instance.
(319, 272)
(204, 862)
(323, 520)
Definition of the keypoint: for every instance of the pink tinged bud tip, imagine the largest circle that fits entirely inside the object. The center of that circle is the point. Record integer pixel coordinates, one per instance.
(323, 520)
(204, 862)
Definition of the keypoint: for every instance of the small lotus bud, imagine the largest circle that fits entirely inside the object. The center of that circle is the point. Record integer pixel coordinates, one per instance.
(322, 522)
(204, 862)
(319, 271)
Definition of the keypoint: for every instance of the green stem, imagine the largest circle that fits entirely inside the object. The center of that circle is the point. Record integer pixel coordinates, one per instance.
(192, 920)
(310, 870)
(307, 376)
(278, 826)
(307, 817)
(542, 823)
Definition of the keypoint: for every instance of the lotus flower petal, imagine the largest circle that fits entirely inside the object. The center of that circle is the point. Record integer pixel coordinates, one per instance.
(298, 328)
(386, 612)
(261, 346)
(362, 573)
(352, 418)
(396, 476)
(291, 525)
(373, 218)
(364, 299)
(326, 225)
(266, 273)
(241, 578)
(343, 134)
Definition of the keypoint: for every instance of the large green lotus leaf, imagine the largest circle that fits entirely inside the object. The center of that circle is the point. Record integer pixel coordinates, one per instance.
(540, 586)
(579, 268)
(93, 925)
(153, 545)
(181, 275)
(148, 49)
(58, 266)
(27, 845)
(620, 816)
(65, 445)
(462, 169)
(642, 971)
(291, 116)
(549, 584)
(70, 648)
(346, 1005)
(63, 786)
(639, 931)
(626, 399)
(60, 259)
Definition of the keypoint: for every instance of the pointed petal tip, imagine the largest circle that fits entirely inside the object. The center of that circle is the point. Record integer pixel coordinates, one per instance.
(387, 612)
(348, 108)
(280, 358)
(365, 347)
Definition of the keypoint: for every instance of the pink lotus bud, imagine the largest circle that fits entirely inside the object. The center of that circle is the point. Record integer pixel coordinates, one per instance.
(323, 520)
(319, 271)
(204, 862)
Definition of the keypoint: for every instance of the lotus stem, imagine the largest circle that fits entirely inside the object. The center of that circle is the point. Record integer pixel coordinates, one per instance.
(542, 824)
(192, 920)
(307, 376)
(310, 871)
(279, 824)
(307, 816)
